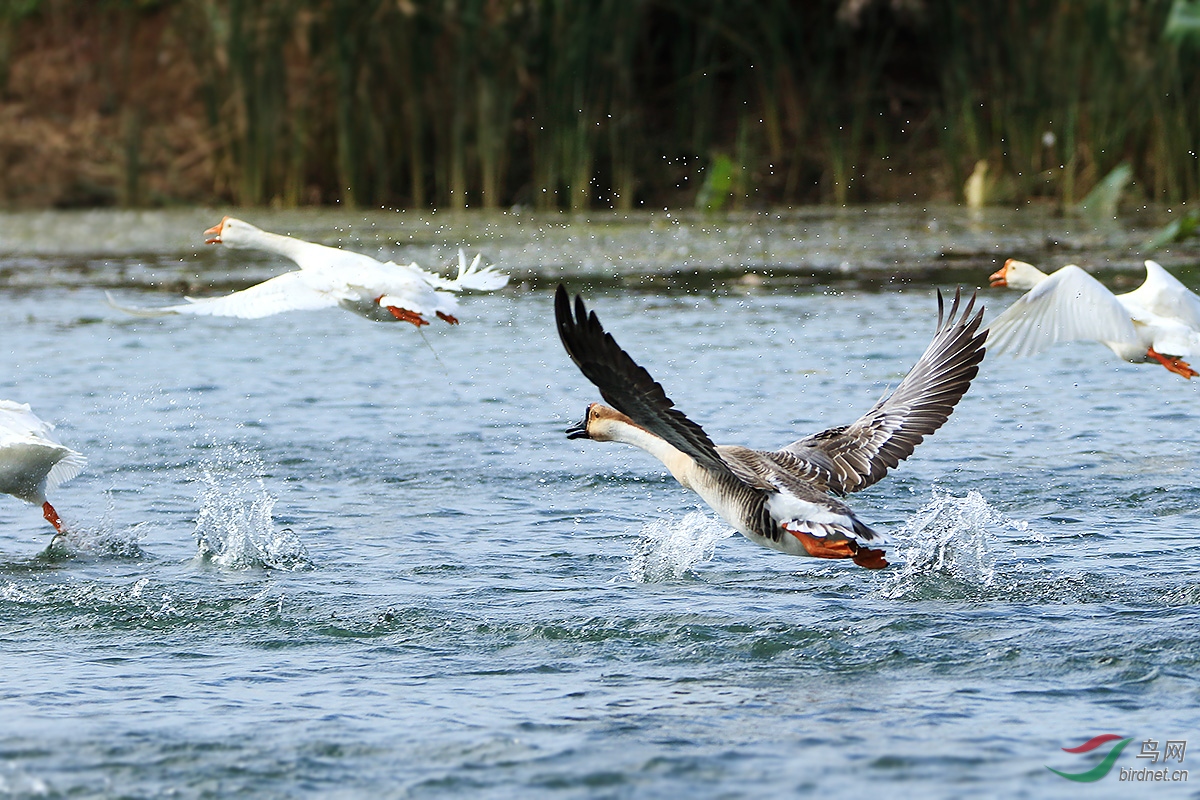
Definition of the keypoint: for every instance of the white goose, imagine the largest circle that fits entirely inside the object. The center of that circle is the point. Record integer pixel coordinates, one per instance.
(780, 499)
(32, 459)
(383, 292)
(1158, 321)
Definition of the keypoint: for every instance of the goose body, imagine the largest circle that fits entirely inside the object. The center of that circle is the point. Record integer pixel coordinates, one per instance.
(329, 277)
(784, 499)
(1157, 322)
(32, 459)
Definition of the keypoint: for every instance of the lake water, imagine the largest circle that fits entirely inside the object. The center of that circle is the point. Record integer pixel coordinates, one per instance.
(316, 556)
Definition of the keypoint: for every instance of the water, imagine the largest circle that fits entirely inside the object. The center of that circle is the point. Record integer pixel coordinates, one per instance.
(316, 556)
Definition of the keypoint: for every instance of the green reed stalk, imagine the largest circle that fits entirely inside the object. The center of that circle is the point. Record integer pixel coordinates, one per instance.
(564, 102)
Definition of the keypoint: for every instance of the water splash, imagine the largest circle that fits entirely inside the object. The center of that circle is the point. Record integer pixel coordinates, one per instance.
(945, 549)
(235, 528)
(669, 549)
(102, 541)
(12, 593)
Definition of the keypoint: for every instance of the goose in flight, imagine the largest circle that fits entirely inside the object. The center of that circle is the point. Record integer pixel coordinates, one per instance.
(32, 459)
(1158, 321)
(782, 499)
(383, 292)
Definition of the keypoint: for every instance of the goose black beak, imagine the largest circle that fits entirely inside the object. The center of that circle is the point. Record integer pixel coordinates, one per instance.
(579, 429)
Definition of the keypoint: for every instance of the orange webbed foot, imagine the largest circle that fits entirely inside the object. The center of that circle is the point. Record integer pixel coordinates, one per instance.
(870, 559)
(819, 547)
(1173, 364)
(447, 318)
(404, 315)
(52, 517)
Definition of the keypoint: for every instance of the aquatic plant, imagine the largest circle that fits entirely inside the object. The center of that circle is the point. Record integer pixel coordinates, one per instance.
(611, 103)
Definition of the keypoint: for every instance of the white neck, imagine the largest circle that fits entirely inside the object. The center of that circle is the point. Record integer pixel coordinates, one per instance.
(680, 464)
(1030, 277)
(272, 243)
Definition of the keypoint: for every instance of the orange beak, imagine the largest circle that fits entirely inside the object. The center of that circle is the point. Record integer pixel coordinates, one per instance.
(1000, 277)
(214, 233)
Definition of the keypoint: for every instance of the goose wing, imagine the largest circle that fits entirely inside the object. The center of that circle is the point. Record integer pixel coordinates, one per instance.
(23, 432)
(1069, 305)
(781, 470)
(859, 454)
(625, 385)
(17, 421)
(66, 468)
(287, 292)
(1164, 295)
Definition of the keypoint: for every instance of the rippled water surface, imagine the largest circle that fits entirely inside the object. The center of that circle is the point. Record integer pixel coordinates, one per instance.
(318, 556)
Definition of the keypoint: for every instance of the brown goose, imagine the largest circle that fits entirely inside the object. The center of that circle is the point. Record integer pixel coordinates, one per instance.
(780, 499)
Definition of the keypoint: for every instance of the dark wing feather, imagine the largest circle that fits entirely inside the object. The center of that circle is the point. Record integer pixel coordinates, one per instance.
(887, 434)
(626, 386)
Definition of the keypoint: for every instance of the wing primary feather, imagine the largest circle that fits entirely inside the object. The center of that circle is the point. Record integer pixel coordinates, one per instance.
(842, 459)
(1068, 305)
(864, 451)
(627, 386)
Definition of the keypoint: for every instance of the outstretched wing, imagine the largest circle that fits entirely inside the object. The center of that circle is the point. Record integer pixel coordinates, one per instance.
(1163, 294)
(17, 421)
(286, 292)
(626, 386)
(864, 451)
(1069, 305)
(23, 430)
(71, 464)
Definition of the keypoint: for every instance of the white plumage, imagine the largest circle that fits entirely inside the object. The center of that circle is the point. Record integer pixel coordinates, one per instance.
(1158, 321)
(32, 459)
(328, 277)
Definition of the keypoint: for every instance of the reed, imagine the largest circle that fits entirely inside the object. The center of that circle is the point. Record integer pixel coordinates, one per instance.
(1099, 76)
(12, 13)
(573, 104)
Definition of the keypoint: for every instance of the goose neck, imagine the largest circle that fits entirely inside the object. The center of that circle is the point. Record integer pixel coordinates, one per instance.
(679, 463)
(274, 243)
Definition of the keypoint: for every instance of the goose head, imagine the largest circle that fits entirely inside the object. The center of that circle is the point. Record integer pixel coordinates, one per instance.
(232, 232)
(601, 424)
(1017, 275)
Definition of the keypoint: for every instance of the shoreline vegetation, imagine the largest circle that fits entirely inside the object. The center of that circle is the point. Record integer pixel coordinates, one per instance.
(598, 105)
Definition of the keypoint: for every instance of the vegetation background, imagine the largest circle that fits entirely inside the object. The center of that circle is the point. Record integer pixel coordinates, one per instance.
(592, 104)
